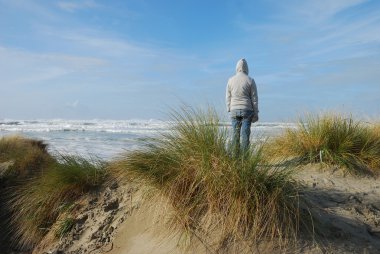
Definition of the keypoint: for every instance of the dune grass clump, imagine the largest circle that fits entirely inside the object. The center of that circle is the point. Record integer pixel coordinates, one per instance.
(332, 140)
(22, 157)
(234, 199)
(36, 204)
(36, 188)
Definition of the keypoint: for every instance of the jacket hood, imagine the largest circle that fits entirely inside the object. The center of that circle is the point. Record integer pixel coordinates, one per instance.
(242, 66)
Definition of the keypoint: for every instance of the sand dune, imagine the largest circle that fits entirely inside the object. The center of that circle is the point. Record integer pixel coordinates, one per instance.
(117, 221)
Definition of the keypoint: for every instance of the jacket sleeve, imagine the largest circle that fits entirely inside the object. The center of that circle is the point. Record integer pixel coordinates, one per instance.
(254, 98)
(228, 97)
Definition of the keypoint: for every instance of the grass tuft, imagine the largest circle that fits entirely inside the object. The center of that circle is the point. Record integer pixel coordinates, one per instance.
(332, 140)
(38, 187)
(234, 199)
(22, 157)
(64, 227)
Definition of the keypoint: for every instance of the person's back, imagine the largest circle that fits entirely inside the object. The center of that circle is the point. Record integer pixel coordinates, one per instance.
(242, 103)
(241, 89)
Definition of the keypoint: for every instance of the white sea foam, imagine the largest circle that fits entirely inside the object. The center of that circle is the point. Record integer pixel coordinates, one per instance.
(114, 126)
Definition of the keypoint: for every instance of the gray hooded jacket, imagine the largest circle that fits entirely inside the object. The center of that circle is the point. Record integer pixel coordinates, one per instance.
(241, 92)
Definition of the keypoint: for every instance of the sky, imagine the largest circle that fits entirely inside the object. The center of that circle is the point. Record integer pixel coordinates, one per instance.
(139, 59)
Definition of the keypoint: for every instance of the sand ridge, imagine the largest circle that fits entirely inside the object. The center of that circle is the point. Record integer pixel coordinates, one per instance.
(116, 220)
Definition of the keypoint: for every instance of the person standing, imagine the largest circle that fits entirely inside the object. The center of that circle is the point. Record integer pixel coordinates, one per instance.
(242, 104)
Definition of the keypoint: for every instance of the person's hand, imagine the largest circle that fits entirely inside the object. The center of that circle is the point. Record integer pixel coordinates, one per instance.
(255, 118)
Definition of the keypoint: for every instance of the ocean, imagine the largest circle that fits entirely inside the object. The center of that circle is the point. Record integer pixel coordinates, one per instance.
(106, 139)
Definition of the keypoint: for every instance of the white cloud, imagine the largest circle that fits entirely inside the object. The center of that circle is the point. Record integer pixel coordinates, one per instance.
(140, 58)
(29, 8)
(72, 6)
(308, 31)
(321, 10)
(104, 45)
(21, 67)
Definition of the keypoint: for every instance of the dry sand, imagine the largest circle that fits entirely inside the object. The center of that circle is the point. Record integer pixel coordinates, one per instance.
(346, 208)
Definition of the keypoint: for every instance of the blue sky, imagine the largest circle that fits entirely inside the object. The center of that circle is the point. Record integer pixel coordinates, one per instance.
(136, 59)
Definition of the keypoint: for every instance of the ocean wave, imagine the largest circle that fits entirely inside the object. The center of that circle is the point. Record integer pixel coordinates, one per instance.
(55, 125)
(10, 123)
(110, 126)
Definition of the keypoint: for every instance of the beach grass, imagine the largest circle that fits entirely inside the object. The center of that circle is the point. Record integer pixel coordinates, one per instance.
(64, 226)
(37, 188)
(36, 204)
(22, 157)
(331, 139)
(221, 198)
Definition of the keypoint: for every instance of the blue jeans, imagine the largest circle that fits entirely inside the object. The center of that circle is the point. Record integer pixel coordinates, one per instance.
(241, 126)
